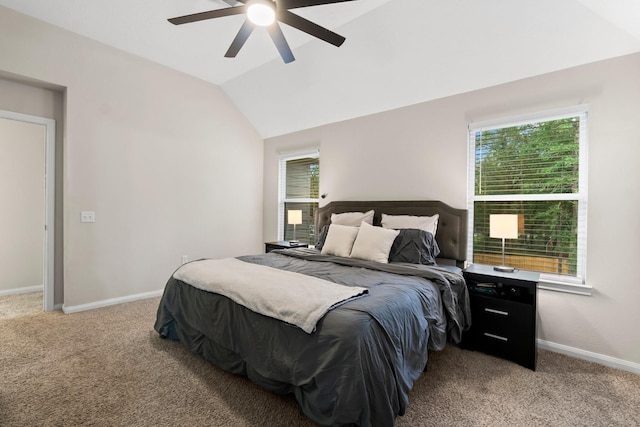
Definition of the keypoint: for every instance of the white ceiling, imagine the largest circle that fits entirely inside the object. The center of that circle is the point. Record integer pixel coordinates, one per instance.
(397, 53)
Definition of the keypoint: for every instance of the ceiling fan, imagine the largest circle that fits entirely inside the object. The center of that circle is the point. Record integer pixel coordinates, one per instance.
(267, 13)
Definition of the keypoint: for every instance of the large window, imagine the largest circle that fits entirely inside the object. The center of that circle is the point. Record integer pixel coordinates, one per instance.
(534, 168)
(299, 191)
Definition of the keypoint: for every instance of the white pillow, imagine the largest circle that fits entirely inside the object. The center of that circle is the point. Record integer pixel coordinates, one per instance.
(339, 240)
(352, 219)
(426, 223)
(373, 243)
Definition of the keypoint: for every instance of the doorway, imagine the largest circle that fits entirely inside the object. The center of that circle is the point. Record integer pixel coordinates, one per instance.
(39, 134)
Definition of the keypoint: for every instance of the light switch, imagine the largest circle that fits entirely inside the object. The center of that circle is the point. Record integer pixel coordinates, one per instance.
(87, 216)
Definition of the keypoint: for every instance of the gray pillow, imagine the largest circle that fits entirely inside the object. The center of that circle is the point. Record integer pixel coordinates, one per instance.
(414, 246)
(322, 237)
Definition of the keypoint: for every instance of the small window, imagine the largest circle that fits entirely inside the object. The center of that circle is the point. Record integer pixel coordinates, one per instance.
(299, 191)
(534, 168)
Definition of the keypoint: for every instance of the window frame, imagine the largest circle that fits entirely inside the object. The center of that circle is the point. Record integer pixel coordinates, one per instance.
(313, 153)
(571, 284)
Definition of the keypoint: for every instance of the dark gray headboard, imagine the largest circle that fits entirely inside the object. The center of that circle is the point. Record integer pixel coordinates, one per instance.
(452, 225)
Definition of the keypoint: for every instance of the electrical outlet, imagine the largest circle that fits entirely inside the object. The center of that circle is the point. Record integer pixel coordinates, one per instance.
(87, 216)
(185, 259)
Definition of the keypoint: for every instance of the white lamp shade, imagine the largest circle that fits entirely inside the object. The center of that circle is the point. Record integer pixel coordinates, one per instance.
(294, 217)
(503, 226)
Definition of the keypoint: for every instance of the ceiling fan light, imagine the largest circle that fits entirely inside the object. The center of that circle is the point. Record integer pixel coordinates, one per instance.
(261, 12)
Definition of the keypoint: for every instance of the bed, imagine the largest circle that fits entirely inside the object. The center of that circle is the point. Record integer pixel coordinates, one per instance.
(357, 361)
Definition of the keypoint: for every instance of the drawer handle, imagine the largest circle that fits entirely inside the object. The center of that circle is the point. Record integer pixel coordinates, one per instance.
(491, 310)
(498, 337)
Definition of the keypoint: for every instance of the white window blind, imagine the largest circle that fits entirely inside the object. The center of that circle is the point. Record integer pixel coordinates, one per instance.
(536, 168)
(299, 190)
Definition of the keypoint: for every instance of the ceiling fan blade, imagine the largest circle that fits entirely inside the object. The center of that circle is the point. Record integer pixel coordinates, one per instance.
(309, 27)
(218, 13)
(281, 43)
(293, 4)
(241, 38)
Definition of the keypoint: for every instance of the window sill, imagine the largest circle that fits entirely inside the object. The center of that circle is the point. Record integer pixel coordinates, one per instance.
(568, 285)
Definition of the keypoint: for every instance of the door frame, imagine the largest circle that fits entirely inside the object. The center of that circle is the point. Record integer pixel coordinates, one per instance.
(50, 200)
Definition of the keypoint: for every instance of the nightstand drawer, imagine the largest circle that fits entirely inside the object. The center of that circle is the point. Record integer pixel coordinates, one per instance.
(504, 318)
(519, 350)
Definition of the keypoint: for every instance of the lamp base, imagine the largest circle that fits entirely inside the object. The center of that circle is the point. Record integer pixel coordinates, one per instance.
(504, 269)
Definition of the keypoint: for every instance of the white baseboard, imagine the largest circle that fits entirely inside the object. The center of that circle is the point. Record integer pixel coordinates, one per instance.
(26, 290)
(113, 301)
(612, 362)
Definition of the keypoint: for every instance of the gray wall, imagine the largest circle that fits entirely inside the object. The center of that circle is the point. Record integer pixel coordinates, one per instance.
(420, 152)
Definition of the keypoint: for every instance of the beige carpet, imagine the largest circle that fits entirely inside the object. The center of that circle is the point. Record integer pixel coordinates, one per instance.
(21, 304)
(107, 367)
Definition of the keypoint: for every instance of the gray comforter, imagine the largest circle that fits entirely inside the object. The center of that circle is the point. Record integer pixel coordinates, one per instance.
(359, 365)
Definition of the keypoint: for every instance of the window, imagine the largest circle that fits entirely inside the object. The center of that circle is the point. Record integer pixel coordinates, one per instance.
(535, 168)
(299, 190)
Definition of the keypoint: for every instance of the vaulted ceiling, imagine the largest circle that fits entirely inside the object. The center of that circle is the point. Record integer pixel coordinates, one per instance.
(396, 53)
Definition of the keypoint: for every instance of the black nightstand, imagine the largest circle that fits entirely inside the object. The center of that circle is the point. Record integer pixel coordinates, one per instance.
(283, 244)
(503, 314)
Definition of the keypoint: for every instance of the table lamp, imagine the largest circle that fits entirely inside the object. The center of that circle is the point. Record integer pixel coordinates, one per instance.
(503, 227)
(294, 218)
